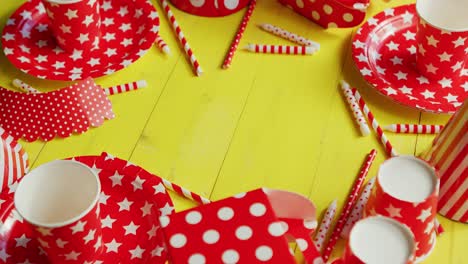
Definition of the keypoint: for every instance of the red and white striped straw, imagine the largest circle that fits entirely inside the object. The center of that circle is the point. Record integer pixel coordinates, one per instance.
(281, 49)
(235, 43)
(325, 225)
(358, 116)
(414, 128)
(183, 41)
(122, 88)
(356, 213)
(185, 193)
(349, 205)
(162, 45)
(24, 86)
(375, 125)
(289, 36)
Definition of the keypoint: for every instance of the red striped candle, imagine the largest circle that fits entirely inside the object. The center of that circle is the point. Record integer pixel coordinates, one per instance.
(281, 49)
(414, 128)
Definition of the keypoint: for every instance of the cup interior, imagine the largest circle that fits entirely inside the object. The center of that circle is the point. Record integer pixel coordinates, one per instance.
(381, 240)
(450, 15)
(57, 193)
(407, 178)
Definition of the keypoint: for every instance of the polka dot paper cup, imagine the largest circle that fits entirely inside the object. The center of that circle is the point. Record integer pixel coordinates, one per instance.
(60, 201)
(246, 228)
(406, 190)
(379, 240)
(330, 13)
(75, 23)
(442, 37)
(210, 8)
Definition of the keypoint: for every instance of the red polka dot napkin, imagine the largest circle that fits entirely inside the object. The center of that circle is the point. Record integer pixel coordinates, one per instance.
(239, 229)
(59, 113)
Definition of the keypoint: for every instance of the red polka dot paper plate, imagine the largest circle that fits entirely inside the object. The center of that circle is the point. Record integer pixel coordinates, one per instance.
(384, 51)
(59, 113)
(129, 29)
(131, 202)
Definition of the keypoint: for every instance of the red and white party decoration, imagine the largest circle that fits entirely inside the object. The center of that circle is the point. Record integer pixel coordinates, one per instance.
(385, 49)
(330, 13)
(163, 45)
(73, 109)
(126, 87)
(353, 104)
(406, 190)
(128, 29)
(75, 24)
(182, 39)
(210, 8)
(346, 211)
(24, 86)
(449, 155)
(325, 225)
(14, 162)
(281, 49)
(247, 228)
(131, 202)
(283, 33)
(414, 128)
(240, 32)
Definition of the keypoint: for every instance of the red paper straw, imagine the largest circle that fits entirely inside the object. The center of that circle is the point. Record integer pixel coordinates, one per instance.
(162, 45)
(182, 40)
(325, 225)
(375, 125)
(281, 49)
(349, 205)
(353, 104)
(122, 88)
(414, 128)
(24, 86)
(283, 33)
(235, 43)
(185, 193)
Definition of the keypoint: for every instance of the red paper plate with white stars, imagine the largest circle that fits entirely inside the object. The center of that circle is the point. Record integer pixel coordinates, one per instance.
(384, 51)
(128, 30)
(131, 202)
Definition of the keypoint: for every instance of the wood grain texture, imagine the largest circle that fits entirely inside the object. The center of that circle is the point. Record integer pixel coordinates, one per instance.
(268, 121)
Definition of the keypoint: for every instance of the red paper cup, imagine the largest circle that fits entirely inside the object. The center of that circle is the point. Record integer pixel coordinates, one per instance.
(75, 23)
(406, 190)
(210, 8)
(442, 37)
(60, 201)
(379, 240)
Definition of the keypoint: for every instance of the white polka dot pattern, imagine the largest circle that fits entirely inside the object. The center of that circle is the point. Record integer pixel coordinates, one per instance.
(330, 14)
(59, 113)
(240, 229)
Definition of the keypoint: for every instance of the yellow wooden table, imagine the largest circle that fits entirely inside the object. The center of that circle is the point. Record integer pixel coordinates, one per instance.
(270, 120)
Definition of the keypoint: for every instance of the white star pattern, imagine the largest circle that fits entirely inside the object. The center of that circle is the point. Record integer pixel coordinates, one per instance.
(124, 205)
(428, 94)
(41, 43)
(71, 14)
(431, 68)
(359, 45)
(409, 35)
(138, 183)
(459, 42)
(123, 11)
(432, 41)
(390, 91)
(116, 179)
(106, 5)
(451, 98)
(446, 83)
(8, 36)
(61, 243)
(65, 29)
(107, 222)
(166, 210)
(22, 241)
(3, 255)
(412, 49)
(109, 36)
(93, 62)
(124, 27)
(401, 75)
(24, 49)
(157, 251)
(152, 231)
(78, 227)
(393, 211)
(422, 80)
(88, 20)
(396, 61)
(146, 209)
(42, 27)
(110, 52)
(465, 86)
(406, 90)
(58, 65)
(407, 17)
(90, 236)
(392, 45)
(457, 66)
(112, 246)
(131, 228)
(389, 12)
(424, 214)
(366, 72)
(126, 42)
(83, 38)
(72, 255)
(108, 21)
(103, 198)
(26, 15)
(76, 55)
(429, 228)
(137, 252)
(445, 56)
(44, 231)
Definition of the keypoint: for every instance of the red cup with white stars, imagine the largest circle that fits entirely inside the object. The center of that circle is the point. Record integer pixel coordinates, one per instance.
(442, 37)
(379, 240)
(60, 201)
(75, 23)
(407, 190)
